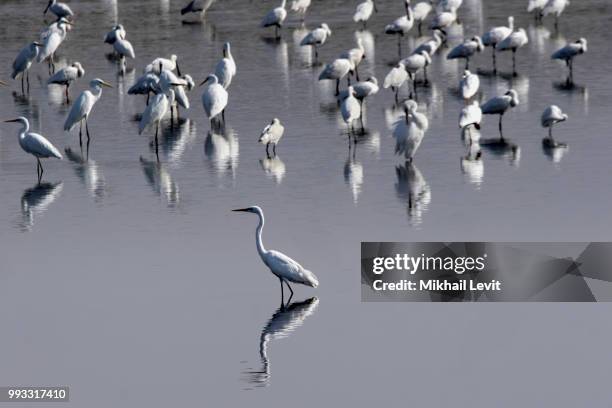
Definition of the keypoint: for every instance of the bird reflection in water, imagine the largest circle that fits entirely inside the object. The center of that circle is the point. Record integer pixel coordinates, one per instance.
(175, 138)
(353, 174)
(90, 174)
(36, 200)
(472, 165)
(287, 318)
(274, 168)
(412, 187)
(502, 148)
(161, 181)
(222, 151)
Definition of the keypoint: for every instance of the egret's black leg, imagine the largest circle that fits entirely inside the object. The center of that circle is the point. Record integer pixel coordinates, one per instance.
(282, 292)
(291, 290)
(22, 87)
(337, 87)
(87, 129)
(274, 149)
(28, 80)
(156, 141)
(81, 134)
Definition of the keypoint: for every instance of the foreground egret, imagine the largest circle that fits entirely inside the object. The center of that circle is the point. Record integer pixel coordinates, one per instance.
(59, 9)
(66, 76)
(286, 269)
(214, 98)
(23, 62)
(496, 35)
(551, 116)
(272, 134)
(402, 25)
(498, 105)
(513, 42)
(396, 78)
(471, 115)
(364, 12)
(300, 7)
(555, 7)
(35, 144)
(410, 131)
(351, 109)
(82, 107)
(420, 11)
(355, 55)
(275, 18)
(159, 64)
(466, 50)
(168, 80)
(337, 70)
(317, 38)
(469, 85)
(226, 68)
(52, 38)
(568, 53)
(155, 112)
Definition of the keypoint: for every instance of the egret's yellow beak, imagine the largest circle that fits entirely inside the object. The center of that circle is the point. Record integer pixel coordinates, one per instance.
(106, 84)
(3, 83)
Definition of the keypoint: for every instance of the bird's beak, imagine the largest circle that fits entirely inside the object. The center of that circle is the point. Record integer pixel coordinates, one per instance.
(3, 83)
(242, 209)
(11, 120)
(375, 8)
(106, 84)
(203, 82)
(178, 70)
(37, 44)
(47, 8)
(176, 84)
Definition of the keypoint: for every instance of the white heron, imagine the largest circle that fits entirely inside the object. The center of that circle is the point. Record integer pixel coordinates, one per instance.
(496, 35)
(284, 268)
(160, 64)
(35, 144)
(59, 9)
(569, 52)
(431, 45)
(81, 109)
(466, 50)
(469, 85)
(155, 112)
(355, 55)
(364, 12)
(517, 39)
(470, 116)
(214, 98)
(555, 7)
(350, 109)
(51, 39)
(499, 105)
(550, 117)
(145, 85)
(271, 135)
(442, 21)
(117, 31)
(276, 18)
(317, 38)
(420, 11)
(536, 7)
(226, 67)
(67, 76)
(23, 62)
(337, 70)
(414, 63)
(396, 78)
(300, 7)
(402, 25)
(409, 131)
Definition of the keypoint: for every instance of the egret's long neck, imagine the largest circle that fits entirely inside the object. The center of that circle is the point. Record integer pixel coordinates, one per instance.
(260, 247)
(97, 91)
(283, 3)
(24, 129)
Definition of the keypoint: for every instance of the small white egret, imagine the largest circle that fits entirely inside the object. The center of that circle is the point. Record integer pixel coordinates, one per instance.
(226, 67)
(420, 11)
(35, 144)
(355, 55)
(517, 39)
(23, 62)
(81, 109)
(414, 63)
(159, 64)
(66, 76)
(396, 78)
(364, 12)
(271, 135)
(155, 112)
(300, 7)
(59, 9)
(569, 52)
(469, 85)
(350, 109)
(214, 98)
(496, 35)
(443, 20)
(286, 269)
(499, 105)
(431, 45)
(470, 115)
(409, 131)
(276, 18)
(466, 50)
(337, 70)
(51, 40)
(555, 7)
(402, 25)
(536, 7)
(550, 117)
(317, 38)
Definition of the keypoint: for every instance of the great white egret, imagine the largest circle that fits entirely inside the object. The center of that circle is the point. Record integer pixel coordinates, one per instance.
(364, 12)
(284, 268)
(569, 52)
(396, 78)
(409, 131)
(551, 116)
(499, 105)
(59, 9)
(317, 38)
(517, 39)
(496, 35)
(66, 76)
(35, 144)
(23, 62)
(350, 109)
(214, 98)
(226, 67)
(275, 18)
(466, 50)
(271, 135)
(51, 39)
(469, 85)
(155, 112)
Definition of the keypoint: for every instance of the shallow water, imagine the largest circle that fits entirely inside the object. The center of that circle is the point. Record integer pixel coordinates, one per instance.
(133, 283)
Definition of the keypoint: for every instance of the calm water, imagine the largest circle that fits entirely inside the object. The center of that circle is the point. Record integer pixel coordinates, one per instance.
(134, 284)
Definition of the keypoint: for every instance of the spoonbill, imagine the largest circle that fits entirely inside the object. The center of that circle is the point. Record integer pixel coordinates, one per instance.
(471, 115)
(214, 98)
(51, 40)
(276, 18)
(159, 64)
(536, 7)
(81, 109)
(402, 25)
(66, 76)
(23, 62)
(284, 268)
(226, 67)
(59, 9)
(123, 48)
(271, 135)
(351, 109)
(551, 116)
(363, 89)
(410, 131)
(300, 7)
(466, 50)
(317, 38)
(155, 112)
(517, 39)
(569, 52)
(414, 64)
(555, 7)
(145, 85)
(364, 12)
(355, 55)
(442, 21)
(420, 11)
(396, 78)
(431, 45)
(469, 85)
(35, 144)
(499, 105)
(496, 35)
(197, 7)
(337, 70)
(117, 31)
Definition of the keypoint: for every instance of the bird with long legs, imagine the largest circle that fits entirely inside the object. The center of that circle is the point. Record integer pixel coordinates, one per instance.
(271, 135)
(23, 62)
(556, 8)
(470, 117)
(550, 117)
(225, 70)
(568, 53)
(364, 11)
(416, 63)
(499, 105)
(409, 131)
(59, 9)
(469, 85)
(466, 50)
(517, 39)
(51, 39)
(356, 56)
(336, 70)
(316, 38)
(66, 76)
(214, 99)
(496, 35)
(275, 18)
(420, 11)
(351, 111)
(535, 7)
(401, 26)
(155, 111)
(300, 7)
(395, 79)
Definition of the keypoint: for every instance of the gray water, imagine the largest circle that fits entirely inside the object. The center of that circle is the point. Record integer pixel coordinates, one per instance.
(134, 284)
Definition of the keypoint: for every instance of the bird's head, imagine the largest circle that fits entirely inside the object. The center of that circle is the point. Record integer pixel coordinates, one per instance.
(513, 97)
(79, 67)
(583, 43)
(20, 119)
(64, 21)
(211, 79)
(479, 44)
(373, 80)
(410, 106)
(226, 49)
(253, 209)
(326, 28)
(98, 83)
(466, 73)
(2, 83)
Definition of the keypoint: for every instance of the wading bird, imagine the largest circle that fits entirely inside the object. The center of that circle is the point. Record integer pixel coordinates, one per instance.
(568, 53)
(59, 9)
(284, 268)
(555, 7)
(271, 135)
(123, 48)
(471, 115)
(82, 107)
(300, 7)
(402, 25)
(116, 32)
(23, 62)
(155, 112)
(276, 18)
(443, 20)
(66, 76)
(551, 116)
(431, 45)
(396, 78)
(214, 99)
(536, 7)
(337, 70)
(414, 64)
(364, 12)
(145, 85)
(496, 35)
(363, 89)
(35, 144)
(409, 131)
(420, 11)
(513, 42)
(317, 38)
(499, 105)
(351, 109)
(197, 7)
(226, 67)
(466, 50)
(159, 64)
(469, 85)
(355, 55)
(51, 39)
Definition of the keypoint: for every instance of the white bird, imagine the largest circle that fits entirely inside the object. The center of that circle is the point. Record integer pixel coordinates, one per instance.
(226, 67)
(66, 76)
(470, 115)
(551, 116)
(300, 7)
(81, 109)
(123, 47)
(276, 18)
(353, 175)
(409, 131)
(496, 35)
(442, 21)
(466, 50)
(214, 98)
(569, 52)
(271, 135)
(274, 168)
(59, 9)
(116, 32)
(431, 45)
(448, 5)
(317, 38)
(168, 80)
(499, 105)
(420, 11)
(155, 111)
(396, 78)
(517, 39)
(536, 7)
(159, 64)
(555, 7)
(337, 70)
(145, 85)
(51, 40)
(364, 12)
(402, 25)
(416, 62)
(363, 89)
(35, 144)
(197, 7)
(23, 62)
(469, 85)
(284, 268)
(355, 55)
(350, 109)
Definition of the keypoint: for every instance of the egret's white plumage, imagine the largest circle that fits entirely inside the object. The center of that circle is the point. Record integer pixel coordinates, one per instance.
(156, 110)
(81, 109)
(466, 50)
(403, 24)
(555, 7)
(350, 108)
(159, 64)
(272, 134)
(396, 78)
(144, 85)
(363, 89)
(300, 7)
(23, 62)
(123, 47)
(551, 116)
(469, 85)
(416, 62)
(197, 7)
(355, 55)
(470, 115)
(496, 35)
(420, 11)
(409, 131)
(431, 45)
(536, 7)
(317, 37)
(67, 75)
(275, 17)
(52, 39)
(569, 52)
(59, 9)
(214, 98)
(443, 20)
(180, 91)
(283, 267)
(517, 39)
(363, 12)
(226, 67)
(498, 105)
(337, 70)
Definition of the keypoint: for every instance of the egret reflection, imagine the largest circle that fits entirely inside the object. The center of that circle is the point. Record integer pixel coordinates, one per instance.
(176, 138)
(36, 200)
(222, 152)
(412, 188)
(90, 174)
(282, 324)
(353, 174)
(274, 168)
(502, 148)
(472, 165)
(555, 151)
(161, 181)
